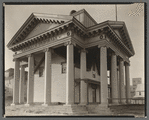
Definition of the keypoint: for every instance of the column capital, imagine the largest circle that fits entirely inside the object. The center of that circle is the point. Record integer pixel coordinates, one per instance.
(29, 55)
(16, 59)
(105, 44)
(83, 50)
(112, 53)
(127, 63)
(47, 49)
(23, 64)
(70, 43)
(99, 46)
(121, 59)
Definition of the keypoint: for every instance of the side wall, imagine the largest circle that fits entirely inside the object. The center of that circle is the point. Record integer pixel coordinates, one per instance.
(58, 82)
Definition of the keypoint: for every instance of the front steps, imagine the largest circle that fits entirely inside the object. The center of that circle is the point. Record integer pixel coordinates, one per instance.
(79, 110)
(99, 109)
(131, 109)
(68, 109)
(75, 110)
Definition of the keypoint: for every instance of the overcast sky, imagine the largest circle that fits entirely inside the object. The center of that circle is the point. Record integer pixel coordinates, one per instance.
(131, 14)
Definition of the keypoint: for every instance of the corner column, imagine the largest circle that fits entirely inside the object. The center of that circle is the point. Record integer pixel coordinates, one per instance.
(114, 81)
(16, 82)
(103, 75)
(21, 90)
(127, 77)
(121, 81)
(70, 75)
(30, 83)
(47, 82)
(82, 76)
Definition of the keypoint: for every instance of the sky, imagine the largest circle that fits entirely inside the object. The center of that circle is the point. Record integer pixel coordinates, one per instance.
(131, 14)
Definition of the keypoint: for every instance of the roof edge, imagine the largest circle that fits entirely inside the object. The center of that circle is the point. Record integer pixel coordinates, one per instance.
(81, 11)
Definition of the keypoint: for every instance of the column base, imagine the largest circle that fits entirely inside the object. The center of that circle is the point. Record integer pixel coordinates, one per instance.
(69, 105)
(13, 104)
(115, 102)
(46, 104)
(123, 102)
(29, 104)
(83, 104)
(104, 105)
(21, 103)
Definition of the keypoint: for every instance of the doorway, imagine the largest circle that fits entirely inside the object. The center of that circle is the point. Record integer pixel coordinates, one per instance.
(94, 95)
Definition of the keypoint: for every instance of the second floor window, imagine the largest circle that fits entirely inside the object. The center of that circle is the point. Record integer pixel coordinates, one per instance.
(40, 71)
(63, 67)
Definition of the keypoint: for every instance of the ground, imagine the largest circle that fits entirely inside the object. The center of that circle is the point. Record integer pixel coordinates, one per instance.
(38, 109)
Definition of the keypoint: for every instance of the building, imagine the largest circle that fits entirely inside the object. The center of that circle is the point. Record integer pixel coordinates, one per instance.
(137, 91)
(71, 59)
(9, 72)
(135, 83)
(9, 78)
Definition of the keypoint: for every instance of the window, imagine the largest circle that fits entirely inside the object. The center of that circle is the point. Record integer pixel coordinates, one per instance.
(94, 75)
(63, 67)
(40, 71)
(139, 93)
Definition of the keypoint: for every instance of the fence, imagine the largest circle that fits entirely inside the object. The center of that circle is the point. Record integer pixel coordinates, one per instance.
(127, 101)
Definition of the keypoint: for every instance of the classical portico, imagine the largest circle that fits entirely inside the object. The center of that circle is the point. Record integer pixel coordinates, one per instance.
(89, 51)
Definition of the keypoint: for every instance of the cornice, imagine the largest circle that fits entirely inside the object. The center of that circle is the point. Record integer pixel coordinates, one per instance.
(120, 41)
(74, 25)
(32, 21)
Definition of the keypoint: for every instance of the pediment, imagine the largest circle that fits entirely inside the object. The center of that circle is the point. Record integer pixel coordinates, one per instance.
(40, 28)
(37, 24)
(119, 28)
(117, 31)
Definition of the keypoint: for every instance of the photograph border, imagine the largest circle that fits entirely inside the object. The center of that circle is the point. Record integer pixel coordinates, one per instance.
(2, 63)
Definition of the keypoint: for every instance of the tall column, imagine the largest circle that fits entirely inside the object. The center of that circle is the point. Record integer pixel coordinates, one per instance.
(16, 82)
(21, 90)
(103, 75)
(127, 77)
(121, 82)
(30, 83)
(47, 82)
(82, 76)
(70, 75)
(114, 81)
(118, 88)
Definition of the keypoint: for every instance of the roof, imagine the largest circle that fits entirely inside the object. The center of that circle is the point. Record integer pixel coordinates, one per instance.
(64, 20)
(10, 69)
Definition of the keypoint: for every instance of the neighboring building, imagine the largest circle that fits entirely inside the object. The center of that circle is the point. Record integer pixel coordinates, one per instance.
(9, 79)
(137, 90)
(68, 58)
(9, 73)
(135, 83)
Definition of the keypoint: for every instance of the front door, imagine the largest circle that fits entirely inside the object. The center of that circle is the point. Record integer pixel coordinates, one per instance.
(94, 95)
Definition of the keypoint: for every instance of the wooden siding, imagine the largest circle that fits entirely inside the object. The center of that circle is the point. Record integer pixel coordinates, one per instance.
(85, 19)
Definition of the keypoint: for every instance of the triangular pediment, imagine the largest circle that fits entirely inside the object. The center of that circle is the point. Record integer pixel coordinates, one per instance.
(119, 28)
(40, 28)
(117, 32)
(37, 24)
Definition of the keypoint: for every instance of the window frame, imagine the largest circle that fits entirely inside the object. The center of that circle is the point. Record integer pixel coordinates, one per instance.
(62, 67)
